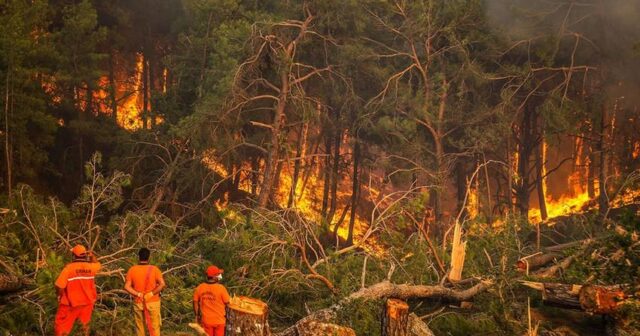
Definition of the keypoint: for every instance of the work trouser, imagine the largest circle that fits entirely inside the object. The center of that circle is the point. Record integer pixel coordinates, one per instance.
(154, 314)
(213, 329)
(67, 316)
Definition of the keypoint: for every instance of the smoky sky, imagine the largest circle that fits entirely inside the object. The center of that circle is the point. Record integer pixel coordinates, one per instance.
(609, 31)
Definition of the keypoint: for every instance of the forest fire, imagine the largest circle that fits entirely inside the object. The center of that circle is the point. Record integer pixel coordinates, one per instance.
(564, 206)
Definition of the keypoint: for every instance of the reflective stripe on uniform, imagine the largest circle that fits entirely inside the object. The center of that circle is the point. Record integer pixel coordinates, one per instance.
(81, 278)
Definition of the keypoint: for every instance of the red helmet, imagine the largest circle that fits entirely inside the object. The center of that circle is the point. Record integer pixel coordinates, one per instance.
(213, 271)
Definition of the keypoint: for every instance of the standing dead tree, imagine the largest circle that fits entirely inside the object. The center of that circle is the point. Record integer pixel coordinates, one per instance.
(259, 87)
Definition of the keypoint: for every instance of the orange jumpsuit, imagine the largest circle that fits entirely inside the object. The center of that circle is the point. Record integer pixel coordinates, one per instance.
(77, 280)
(212, 299)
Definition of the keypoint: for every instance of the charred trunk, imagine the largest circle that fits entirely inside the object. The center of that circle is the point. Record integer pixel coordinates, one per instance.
(335, 171)
(603, 203)
(355, 190)
(326, 175)
(297, 164)
(112, 86)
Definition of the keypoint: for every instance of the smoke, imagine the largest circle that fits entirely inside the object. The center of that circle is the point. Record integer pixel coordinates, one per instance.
(609, 29)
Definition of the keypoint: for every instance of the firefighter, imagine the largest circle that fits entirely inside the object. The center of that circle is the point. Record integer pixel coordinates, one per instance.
(76, 291)
(209, 302)
(144, 282)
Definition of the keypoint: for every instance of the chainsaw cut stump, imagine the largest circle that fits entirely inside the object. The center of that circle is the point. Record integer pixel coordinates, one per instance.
(396, 318)
(247, 317)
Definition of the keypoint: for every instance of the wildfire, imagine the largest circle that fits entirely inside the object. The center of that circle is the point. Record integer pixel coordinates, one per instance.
(129, 116)
(563, 206)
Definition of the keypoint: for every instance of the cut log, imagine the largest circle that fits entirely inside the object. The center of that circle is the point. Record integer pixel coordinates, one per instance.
(387, 289)
(403, 291)
(317, 328)
(417, 327)
(536, 261)
(395, 320)
(601, 299)
(552, 270)
(247, 317)
(10, 283)
(590, 298)
(556, 294)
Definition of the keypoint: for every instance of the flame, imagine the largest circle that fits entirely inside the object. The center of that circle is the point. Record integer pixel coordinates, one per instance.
(636, 150)
(129, 116)
(563, 206)
(473, 203)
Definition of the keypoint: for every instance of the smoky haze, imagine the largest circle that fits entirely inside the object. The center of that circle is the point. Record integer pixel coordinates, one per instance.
(609, 28)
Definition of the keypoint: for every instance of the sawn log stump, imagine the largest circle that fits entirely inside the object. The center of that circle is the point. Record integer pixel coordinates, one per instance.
(395, 319)
(247, 317)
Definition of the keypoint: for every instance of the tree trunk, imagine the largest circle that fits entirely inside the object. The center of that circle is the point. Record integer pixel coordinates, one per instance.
(525, 148)
(112, 87)
(326, 175)
(10, 283)
(355, 190)
(145, 89)
(318, 328)
(603, 203)
(536, 261)
(7, 143)
(542, 202)
(395, 319)
(461, 187)
(300, 152)
(274, 150)
(255, 175)
(247, 317)
(335, 172)
(591, 298)
(417, 327)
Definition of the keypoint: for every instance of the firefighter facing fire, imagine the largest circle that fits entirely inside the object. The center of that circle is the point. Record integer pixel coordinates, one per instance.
(76, 291)
(209, 302)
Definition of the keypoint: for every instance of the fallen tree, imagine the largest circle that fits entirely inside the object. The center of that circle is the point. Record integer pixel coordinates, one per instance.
(590, 298)
(386, 289)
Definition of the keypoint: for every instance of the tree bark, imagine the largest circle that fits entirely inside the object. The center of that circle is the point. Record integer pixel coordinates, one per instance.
(300, 152)
(10, 283)
(326, 175)
(113, 87)
(335, 172)
(603, 204)
(590, 298)
(536, 261)
(247, 317)
(145, 89)
(355, 191)
(273, 153)
(395, 320)
(7, 143)
(542, 202)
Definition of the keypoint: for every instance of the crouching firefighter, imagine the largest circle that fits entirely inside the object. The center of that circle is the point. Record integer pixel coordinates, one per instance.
(209, 302)
(76, 291)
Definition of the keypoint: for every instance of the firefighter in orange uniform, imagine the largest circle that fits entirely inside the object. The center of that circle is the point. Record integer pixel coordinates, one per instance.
(145, 282)
(76, 291)
(209, 302)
